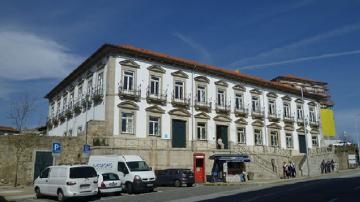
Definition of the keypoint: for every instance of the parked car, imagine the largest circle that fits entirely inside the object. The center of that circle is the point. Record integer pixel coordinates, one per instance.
(133, 171)
(109, 183)
(67, 181)
(175, 177)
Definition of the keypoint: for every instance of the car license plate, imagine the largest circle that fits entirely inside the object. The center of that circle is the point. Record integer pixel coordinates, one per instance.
(112, 184)
(150, 185)
(83, 186)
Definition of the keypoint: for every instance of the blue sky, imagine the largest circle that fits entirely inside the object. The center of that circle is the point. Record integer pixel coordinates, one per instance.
(42, 41)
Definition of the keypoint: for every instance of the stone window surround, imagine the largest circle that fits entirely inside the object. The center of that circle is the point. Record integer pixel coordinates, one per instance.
(261, 134)
(287, 134)
(238, 126)
(123, 70)
(97, 77)
(222, 88)
(278, 137)
(242, 94)
(159, 115)
(120, 120)
(197, 84)
(289, 106)
(179, 79)
(156, 74)
(198, 120)
(270, 99)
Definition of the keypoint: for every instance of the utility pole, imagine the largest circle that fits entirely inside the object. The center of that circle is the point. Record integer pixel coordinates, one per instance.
(358, 135)
(305, 131)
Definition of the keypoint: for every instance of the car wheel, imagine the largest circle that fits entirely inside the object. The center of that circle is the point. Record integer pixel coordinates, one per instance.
(189, 185)
(60, 196)
(177, 183)
(37, 192)
(129, 188)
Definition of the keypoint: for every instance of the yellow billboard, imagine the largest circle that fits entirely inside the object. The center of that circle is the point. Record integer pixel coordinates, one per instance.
(327, 122)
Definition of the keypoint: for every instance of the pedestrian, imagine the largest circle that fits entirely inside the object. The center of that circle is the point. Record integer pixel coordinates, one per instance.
(332, 165)
(293, 169)
(285, 170)
(220, 143)
(322, 166)
(328, 166)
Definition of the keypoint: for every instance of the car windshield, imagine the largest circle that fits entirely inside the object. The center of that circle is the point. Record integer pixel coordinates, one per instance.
(110, 176)
(82, 172)
(138, 166)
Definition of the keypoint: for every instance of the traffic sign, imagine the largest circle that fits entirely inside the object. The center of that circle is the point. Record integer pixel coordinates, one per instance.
(86, 149)
(56, 148)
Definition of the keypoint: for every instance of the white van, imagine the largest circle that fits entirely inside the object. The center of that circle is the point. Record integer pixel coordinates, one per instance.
(67, 181)
(134, 173)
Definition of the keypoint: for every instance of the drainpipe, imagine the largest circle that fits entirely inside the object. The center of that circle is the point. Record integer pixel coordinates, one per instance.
(192, 108)
(305, 131)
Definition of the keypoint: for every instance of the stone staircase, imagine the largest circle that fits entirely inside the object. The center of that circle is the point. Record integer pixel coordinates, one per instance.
(264, 168)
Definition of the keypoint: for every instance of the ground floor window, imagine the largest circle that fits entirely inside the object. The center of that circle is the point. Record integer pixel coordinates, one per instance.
(127, 122)
(241, 135)
(314, 141)
(274, 138)
(154, 126)
(289, 140)
(258, 137)
(201, 131)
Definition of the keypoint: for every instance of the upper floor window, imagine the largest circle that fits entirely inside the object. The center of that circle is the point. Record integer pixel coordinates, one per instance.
(127, 122)
(52, 112)
(312, 115)
(89, 86)
(80, 92)
(71, 99)
(179, 90)
(255, 104)
(155, 85)
(239, 101)
(221, 97)
(258, 137)
(241, 135)
(128, 80)
(64, 102)
(201, 131)
(300, 112)
(274, 138)
(314, 140)
(289, 140)
(201, 93)
(154, 126)
(100, 80)
(58, 102)
(287, 110)
(272, 107)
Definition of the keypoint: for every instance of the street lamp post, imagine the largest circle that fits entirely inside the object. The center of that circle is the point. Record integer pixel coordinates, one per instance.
(358, 135)
(305, 131)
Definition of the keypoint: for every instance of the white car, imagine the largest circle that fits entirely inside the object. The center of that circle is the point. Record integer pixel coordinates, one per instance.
(67, 181)
(109, 183)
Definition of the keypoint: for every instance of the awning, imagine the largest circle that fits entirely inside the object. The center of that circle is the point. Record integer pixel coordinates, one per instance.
(230, 157)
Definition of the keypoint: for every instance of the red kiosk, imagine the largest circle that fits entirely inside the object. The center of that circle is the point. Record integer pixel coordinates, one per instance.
(199, 167)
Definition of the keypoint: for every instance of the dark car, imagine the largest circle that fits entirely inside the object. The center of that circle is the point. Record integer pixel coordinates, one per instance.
(175, 177)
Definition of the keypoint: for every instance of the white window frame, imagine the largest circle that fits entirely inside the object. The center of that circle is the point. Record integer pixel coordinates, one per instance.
(100, 82)
(258, 136)
(153, 124)
(80, 91)
(314, 141)
(155, 85)
(239, 101)
(179, 89)
(129, 122)
(312, 114)
(287, 109)
(221, 97)
(274, 138)
(241, 135)
(201, 93)
(89, 86)
(289, 140)
(272, 107)
(255, 104)
(300, 112)
(128, 80)
(201, 131)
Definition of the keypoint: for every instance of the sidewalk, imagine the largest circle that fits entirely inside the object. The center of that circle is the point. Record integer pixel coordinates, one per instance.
(11, 193)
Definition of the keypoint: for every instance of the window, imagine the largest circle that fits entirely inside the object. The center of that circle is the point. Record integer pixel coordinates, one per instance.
(110, 176)
(64, 102)
(89, 87)
(221, 98)
(258, 137)
(138, 166)
(71, 100)
(241, 135)
(179, 90)
(52, 112)
(80, 92)
(239, 102)
(100, 82)
(312, 115)
(154, 126)
(272, 107)
(127, 122)
(274, 138)
(289, 140)
(300, 112)
(128, 80)
(79, 129)
(287, 111)
(201, 94)
(201, 131)
(70, 132)
(58, 106)
(255, 103)
(45, 173)
(122, 168)
(154, 85)
(82, 172)
(314, 141)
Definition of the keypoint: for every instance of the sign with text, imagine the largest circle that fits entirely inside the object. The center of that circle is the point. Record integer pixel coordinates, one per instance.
(56, 148)
(86, 150)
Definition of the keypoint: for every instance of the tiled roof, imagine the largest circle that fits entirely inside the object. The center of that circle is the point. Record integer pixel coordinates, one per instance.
(164, 58)
(291, 77)
(8, 129)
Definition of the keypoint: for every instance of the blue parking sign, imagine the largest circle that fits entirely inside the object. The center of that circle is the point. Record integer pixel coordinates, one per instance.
(56, 148)
(86, 149)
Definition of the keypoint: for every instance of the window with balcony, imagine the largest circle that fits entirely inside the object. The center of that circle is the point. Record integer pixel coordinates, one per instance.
(287, 110)
(89, 86)
(239, 101)
(155, 87)
(258, 137)
(221, 98)
(179, 90)
(128, 80)
(272, 107)
(289, 140)
(201, 131)
(80, 92)
(241, 135)
(52, 111)
(100, 83)
(201, 94)
(64, 103)
(127, 122)
(255, 104)
(314, 141)
(299, 112)
(274, 138)
(154, 126)
(312, 115)
(58, 107)
(71, 100)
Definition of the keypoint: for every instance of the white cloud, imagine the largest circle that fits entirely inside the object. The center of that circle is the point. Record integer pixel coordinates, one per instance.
(25, 55)
(202, 51)
(282, 51)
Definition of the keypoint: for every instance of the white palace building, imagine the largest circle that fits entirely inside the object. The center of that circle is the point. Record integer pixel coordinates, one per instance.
(138, 94)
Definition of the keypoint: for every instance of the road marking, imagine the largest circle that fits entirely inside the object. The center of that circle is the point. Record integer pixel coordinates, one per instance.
(332, 200)
(11, 192)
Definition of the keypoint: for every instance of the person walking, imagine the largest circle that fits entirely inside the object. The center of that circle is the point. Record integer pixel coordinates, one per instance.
(322, 166)
(293, 169)
(285, 170)
(332, 165)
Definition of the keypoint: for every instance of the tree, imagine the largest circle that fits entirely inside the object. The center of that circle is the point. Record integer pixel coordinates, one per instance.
(20, 111)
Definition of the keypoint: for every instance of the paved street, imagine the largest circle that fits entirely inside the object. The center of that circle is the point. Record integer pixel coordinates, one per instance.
(326, 188)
